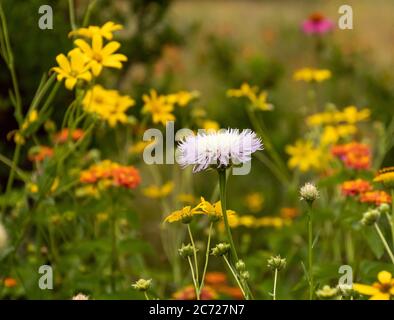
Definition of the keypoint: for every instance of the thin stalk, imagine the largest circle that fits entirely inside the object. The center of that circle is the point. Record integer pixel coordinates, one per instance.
(194, 278)
(114, 256)
(310, 253)
(206, 257)
(146, 295)
(194, 253)
(222, 184)
(235, 277)
(275, 280)
(71, 11)
(385, 244)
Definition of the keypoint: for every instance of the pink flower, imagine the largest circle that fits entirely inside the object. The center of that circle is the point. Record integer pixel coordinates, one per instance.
(317, 24)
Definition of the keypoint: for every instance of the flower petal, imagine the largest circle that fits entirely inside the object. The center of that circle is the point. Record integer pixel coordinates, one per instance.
(110, 48)
(97, 43)
(63, 62)
(366, 289)
(70, 83)
(83, 45)
(384, 277)
(380, 296)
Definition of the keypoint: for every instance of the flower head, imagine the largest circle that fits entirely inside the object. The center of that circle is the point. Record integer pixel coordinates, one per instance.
(312, 75)
(182, 98)
(355, 187)
(382, 289)
(317, 24)
(309, 192)
(327, 293)
(159, 107)
(63, 135)
(155, 192)
(375, 197)
(218, 149)
(277, 263)
(74, 67)
(370, 217)
(354, 155)
(304, 155)
(105, 30)
(100, 56)
(257, 99)
(185, 215)
(188, 293)
(40, 153)
(80, 296)
(386, 176)
(142, 284)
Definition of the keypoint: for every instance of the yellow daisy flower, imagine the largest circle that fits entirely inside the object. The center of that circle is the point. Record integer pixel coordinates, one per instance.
(159, 192)
(386, 176)
(303, 155)
(312, 75)
(212, 210)
(100, 56)
(106, 30)
(381, 290)
(74, 67)
(182, 98)
(158, 107)
(185, 215)
(210, 125)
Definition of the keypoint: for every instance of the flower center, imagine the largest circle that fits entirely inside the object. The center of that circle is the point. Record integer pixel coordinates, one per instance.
(316, 17)
(385, 287)
(73, 73)
(98, 57)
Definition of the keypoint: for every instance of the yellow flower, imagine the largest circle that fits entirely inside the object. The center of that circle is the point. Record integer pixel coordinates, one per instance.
(102, 217)
(212, 210)
(139, 147)
(309, 75)
(182, 98)
(381, 290)
(159, 192)
(74, 67)
(304, 156)
(210, 125)
(109, 105)
(352, 115)
(349, 115)
(32, 187)
(244, 91)
(185, 215)
(258, 100)
(386, 176)
(30, 119)
(158, 107)
(105, 30)
(254, 201)
(100, 56)
(186, 198)
(331, 134)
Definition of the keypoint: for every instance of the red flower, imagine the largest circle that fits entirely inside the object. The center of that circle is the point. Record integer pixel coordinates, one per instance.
(355, 187)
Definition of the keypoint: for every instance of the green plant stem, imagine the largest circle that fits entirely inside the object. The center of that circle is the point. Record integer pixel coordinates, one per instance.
(275, 280)
(71, 11)
(86, 18)
(385, 244)
(114, 256)
(194, 253)
(206, 257)
(310, 253)
(235, 277)
(146, 295)
(222, 185)
(194, 279)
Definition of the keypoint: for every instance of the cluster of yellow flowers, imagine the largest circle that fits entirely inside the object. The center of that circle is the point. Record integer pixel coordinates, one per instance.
(108, 105)
(156, 192)
(333, 126)
(161, 106)
(312, 75)
(257, 98)
(249, 221)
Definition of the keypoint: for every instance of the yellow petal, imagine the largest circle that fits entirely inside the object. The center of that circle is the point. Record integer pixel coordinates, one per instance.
(70, 83)
(96, 68)
(85, 76)
(380, 296)
(97, 43)
(384, 277)
(365, 289)
(83, 45)
(63, 62)
(110, 48)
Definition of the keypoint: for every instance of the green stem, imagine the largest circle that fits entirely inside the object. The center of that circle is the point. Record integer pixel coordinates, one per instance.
(114, 262)
(386, 246)
(146, 295)
(71, 11)
(194, 278)
(310, 252)
(235, 277)
(222, 184)
(275, 280)
(206, 257)
(194, 253)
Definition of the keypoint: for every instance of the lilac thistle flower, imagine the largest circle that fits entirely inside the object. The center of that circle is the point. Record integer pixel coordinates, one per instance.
(317, 24)
(219, 149)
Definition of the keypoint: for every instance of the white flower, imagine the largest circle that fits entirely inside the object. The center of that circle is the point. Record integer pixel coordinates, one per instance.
(80, 296)
(309, 192)
(220, 149)
(3, 237)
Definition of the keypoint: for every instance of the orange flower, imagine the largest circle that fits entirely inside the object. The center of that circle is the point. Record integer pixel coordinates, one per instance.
(355, 187)
(62, 136)
(289, 213)
(40, 153)
(233, 292)
(188, 293)
(111, 174)
(10, 282)
(354, 155)
(215, 278)
(375, 197)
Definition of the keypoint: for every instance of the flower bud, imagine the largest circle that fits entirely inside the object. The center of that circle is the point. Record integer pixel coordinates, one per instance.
(80, 296)
(327, 293)
(384, 208)
(276, 263)
(186, 251)
(221, 249)
(309, 192)
(244, 275)
(142, 285)
(240, 266)
(370, 217)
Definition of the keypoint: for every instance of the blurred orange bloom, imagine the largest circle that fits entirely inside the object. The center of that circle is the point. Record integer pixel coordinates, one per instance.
(375, 197)
(355, 187)
(10, 282)
(62, 136)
